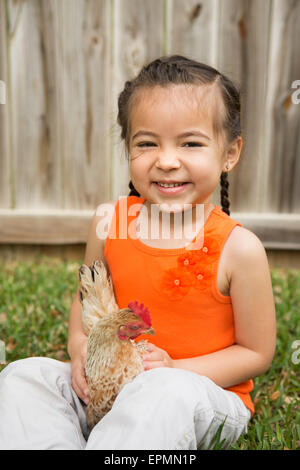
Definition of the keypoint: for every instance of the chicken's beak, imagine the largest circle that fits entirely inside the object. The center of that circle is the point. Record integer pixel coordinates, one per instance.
(150, 331)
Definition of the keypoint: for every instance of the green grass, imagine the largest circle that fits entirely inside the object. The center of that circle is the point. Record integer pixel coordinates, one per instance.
(35, 299)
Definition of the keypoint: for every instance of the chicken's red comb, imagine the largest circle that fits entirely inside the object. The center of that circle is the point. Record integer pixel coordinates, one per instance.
(142, 312)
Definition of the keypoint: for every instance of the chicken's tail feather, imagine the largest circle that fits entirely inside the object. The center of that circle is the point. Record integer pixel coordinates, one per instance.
(104, 287)
(96, 294)
(86, 282)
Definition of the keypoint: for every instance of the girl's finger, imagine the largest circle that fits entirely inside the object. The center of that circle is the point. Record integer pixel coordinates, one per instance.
(78, 390)
(83, 384)
(153, 365)
(82, 395)
(155, 356)
(79, 374)
(80, 386)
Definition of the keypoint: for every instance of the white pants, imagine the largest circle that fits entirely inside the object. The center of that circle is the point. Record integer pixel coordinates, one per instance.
(161, 409)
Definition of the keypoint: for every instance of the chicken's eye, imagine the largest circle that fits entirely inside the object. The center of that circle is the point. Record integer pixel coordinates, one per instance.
(134, 327)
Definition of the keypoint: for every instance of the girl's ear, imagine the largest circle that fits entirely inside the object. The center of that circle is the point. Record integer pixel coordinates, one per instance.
(232, 154)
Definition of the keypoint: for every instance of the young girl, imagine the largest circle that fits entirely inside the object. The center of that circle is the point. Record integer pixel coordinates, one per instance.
(211, 304)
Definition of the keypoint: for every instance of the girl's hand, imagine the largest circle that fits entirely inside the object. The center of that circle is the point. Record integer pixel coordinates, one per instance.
(156, 357)
(79, 382)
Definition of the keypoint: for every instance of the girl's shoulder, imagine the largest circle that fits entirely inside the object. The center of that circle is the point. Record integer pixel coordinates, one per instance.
(97, 232)
(242, 239)
(243, 248)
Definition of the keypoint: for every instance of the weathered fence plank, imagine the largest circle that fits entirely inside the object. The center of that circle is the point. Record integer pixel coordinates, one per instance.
(5, 187)
(35, 170)
(192, 29)
(84, 63)
(243, 55)
(282, 152)
(60, 56)
(44, 226)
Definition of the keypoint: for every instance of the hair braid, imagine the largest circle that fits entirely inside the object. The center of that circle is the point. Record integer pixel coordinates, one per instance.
(133, 191)
(224, 192)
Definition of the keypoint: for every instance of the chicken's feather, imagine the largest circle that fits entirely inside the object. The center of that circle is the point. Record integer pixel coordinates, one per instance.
(105, 386)
(96, 294)
(104, 288)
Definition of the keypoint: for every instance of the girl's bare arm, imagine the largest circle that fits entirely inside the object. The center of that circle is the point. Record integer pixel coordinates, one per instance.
(254, 316)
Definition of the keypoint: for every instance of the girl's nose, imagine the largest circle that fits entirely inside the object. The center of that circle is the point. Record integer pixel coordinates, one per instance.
(167, 161)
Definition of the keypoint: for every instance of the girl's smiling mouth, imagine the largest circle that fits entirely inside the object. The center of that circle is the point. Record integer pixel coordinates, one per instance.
(170, 187)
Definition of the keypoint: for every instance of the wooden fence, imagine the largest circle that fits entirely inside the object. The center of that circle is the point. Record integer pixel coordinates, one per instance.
(64, 63)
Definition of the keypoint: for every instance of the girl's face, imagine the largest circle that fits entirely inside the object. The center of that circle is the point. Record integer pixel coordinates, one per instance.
(172, 141)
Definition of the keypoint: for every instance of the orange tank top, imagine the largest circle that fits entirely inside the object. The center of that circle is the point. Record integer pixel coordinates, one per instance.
(190, 316)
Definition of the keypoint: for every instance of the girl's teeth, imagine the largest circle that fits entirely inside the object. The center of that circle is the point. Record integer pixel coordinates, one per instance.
(172, 185)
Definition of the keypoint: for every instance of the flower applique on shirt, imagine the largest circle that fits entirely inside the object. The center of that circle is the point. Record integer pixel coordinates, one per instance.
(195, 269)
(177, 282)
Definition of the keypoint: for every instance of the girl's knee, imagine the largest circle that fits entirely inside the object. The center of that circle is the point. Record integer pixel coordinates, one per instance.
(30, 367)
(175, 378)
(30, 379)
(175, 384)
(19, 365)
(166, 375)
(160, 378)
(15, 374)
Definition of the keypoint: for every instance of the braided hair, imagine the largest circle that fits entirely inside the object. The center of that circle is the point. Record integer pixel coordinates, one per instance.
(177, 69)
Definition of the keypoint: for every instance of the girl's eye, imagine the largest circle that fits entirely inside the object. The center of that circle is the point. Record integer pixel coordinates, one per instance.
(145, 144)
(193, 144)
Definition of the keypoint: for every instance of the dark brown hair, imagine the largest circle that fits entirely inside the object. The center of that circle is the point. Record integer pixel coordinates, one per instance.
(181, 70)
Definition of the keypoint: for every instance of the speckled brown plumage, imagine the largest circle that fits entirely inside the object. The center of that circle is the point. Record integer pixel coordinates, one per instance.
(112, 360)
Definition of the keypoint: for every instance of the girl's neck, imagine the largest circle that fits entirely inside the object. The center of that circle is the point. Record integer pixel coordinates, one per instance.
(172, 230)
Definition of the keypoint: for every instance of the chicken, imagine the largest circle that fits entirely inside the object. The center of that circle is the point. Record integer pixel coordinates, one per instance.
(113, 358)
